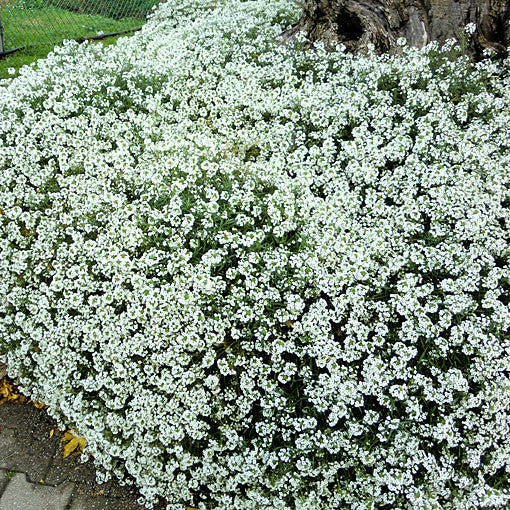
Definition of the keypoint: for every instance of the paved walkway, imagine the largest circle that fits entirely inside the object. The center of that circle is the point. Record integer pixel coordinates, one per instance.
(35, 476)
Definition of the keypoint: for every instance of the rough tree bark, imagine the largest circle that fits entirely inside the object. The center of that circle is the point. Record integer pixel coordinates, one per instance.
(357, 23)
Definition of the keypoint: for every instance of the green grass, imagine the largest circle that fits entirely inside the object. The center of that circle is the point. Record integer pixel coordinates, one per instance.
(51, 25)
(116, 9)
(33, 53)
(40, 29)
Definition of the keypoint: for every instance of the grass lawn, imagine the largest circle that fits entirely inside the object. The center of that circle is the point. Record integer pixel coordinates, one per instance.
(50, 25)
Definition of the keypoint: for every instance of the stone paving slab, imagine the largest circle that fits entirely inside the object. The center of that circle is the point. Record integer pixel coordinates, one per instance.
(84, 493)
(20, 494)
(25, 454)
(70, 469)
(101, 503)
(26, 419)
(4, 478)
(122, 491)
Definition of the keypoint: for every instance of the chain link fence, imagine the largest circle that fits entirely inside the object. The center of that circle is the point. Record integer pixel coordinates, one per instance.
(32, 22)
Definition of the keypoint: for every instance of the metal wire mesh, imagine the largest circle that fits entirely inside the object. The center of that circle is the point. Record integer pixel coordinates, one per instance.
(33, 22)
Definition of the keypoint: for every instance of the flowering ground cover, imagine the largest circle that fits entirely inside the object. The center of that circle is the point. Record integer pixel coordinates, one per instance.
(11, 64)
(257, 277)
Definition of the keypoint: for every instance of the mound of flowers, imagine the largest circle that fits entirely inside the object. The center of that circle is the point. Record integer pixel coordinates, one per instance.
(255, 276)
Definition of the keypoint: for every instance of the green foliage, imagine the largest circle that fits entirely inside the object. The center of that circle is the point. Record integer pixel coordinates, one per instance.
(108, 8)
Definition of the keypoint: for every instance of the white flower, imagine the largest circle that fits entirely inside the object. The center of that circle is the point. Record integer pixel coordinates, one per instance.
(470, 28)
(277, 274)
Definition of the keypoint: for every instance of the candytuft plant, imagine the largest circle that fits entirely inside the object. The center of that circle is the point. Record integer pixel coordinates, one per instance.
(256, 277)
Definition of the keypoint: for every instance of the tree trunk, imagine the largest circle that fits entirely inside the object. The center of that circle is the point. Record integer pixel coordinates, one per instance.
(358, 23)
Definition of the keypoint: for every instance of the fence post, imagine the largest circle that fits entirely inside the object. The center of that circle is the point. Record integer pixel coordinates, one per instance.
(2, 45)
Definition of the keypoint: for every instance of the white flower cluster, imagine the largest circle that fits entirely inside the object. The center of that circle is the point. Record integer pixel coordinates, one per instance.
(263, 278)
